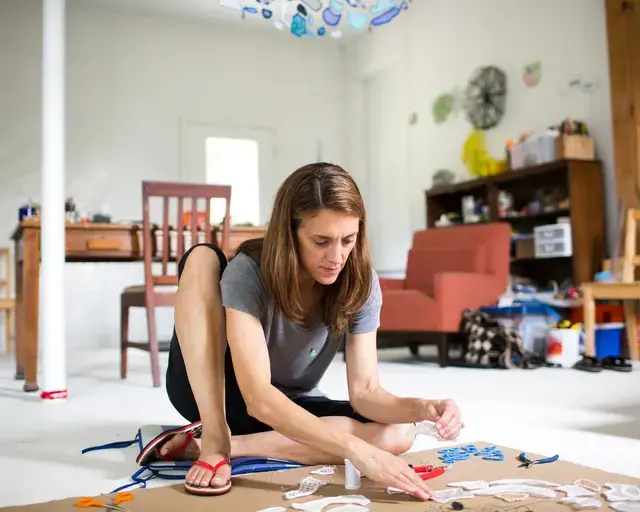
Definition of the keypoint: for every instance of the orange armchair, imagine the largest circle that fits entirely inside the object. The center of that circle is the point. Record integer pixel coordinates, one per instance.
(448, 270)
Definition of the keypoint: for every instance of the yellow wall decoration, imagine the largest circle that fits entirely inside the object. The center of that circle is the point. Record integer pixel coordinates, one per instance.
(477, 158)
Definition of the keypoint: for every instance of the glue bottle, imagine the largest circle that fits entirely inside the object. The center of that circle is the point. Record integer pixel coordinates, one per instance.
(351, 476)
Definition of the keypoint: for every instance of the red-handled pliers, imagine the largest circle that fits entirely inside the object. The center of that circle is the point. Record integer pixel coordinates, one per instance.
(428, 472)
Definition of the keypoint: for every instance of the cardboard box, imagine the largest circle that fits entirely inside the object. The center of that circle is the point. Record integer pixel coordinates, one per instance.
(575, 147)
(525, 248)
(256, 492)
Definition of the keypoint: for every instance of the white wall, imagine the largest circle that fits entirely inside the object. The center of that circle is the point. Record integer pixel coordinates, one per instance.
(434, 48)
(132, 81)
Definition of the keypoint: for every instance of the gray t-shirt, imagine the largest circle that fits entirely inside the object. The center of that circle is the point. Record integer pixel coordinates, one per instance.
(299, 356)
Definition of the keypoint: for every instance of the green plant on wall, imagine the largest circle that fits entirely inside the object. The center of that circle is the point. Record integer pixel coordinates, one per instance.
(443, 107)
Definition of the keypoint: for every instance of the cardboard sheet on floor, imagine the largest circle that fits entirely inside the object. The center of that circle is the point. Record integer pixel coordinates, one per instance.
(256, 492)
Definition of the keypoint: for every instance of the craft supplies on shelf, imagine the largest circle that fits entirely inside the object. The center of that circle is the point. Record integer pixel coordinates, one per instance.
(523, 245)
(578, 147)
(568, 140)
(541, 195)
(533, 151)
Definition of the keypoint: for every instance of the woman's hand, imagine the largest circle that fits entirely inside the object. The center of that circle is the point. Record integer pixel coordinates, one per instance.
(388, 470)
(445, 414)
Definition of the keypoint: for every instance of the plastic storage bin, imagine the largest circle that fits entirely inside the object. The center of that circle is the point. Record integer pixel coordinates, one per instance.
(531, 319)
(563, 347)
(609, 340)
(553, 240)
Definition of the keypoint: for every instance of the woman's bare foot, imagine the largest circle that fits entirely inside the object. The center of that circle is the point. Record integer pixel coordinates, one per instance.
(173, 448)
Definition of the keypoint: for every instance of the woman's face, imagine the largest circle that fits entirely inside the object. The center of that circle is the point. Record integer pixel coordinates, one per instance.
(325, 240)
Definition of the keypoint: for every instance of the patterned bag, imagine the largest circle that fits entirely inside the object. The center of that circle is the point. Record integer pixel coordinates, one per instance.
(489, 344)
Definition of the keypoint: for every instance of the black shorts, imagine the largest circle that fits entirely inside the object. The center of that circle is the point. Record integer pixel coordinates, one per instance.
(239, 421)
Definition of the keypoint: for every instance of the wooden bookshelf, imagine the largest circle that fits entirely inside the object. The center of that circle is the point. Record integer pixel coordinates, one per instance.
(580, 181)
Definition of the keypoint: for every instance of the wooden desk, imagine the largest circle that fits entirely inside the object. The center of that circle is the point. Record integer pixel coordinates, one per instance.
(88, 242)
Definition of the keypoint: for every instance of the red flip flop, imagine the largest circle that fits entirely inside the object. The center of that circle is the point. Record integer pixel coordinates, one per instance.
(209, 491)
(151, 452)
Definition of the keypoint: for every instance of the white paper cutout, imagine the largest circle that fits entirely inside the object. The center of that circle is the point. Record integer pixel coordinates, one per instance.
(273, 509)
(426, 428)
(318, 505)
(588, 484)
(512, 497)
(575, 491)
(539, 492)
(308, 486)
(324, 470)
(580, 503)
(626, 506)
(349, 508)
(525, 481)
(455, 493)
(231, 4)
(470, 485)
(622, 492)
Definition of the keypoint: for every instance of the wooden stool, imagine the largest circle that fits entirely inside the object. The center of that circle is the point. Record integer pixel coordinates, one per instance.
(7, 304)
(627, 290)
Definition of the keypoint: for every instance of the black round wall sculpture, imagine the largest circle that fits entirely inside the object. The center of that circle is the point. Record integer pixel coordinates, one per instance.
(486, 97)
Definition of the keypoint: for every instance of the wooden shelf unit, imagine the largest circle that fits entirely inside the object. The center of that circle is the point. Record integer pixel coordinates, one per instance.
(582, 183)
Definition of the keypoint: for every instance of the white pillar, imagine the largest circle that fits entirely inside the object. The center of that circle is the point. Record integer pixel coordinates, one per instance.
(52, 332)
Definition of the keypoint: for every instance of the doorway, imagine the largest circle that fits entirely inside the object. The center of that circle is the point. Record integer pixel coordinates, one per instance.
(235, 162)
(242, 157)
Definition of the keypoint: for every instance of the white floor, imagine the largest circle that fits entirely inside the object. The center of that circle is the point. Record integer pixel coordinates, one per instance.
(590, 419)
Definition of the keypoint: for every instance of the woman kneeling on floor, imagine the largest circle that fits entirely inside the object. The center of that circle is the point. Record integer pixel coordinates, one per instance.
(253, 337)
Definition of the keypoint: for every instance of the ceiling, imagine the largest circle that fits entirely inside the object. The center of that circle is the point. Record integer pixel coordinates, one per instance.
(201, 10)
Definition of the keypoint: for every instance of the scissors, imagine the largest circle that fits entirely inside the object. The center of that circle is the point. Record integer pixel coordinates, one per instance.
(526, 463)
(247, 465)
(121, 497)
(428, 472)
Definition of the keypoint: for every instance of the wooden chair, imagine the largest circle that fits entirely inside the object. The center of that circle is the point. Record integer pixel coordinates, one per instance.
(627, 290)
(7, 304)
(151, 294)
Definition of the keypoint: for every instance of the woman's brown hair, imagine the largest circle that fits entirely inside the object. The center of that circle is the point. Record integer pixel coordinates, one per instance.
(306, 191)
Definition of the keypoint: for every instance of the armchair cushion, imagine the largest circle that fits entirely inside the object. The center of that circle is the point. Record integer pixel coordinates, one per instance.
(387, 283)
(425, 263)
(456, 291)
(409, 310)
